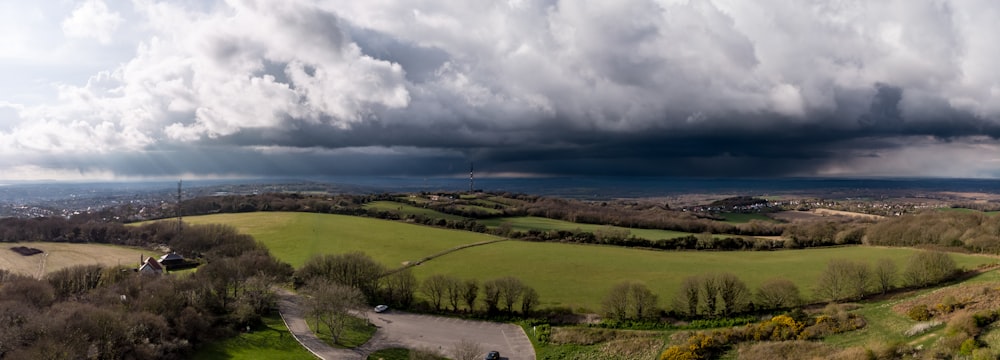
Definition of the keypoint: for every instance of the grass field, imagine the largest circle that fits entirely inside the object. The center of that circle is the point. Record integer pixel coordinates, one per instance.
(62, 255)
(578, 276)
(271, 341)
(740, 218)
(407, 209)
(539, 223)
(294, 237)
(575, 276)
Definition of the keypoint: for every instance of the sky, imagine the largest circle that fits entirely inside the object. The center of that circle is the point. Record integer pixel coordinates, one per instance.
(131, 89)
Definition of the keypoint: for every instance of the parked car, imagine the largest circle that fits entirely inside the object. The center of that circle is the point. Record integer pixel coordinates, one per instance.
(493, 355)
(381, 308)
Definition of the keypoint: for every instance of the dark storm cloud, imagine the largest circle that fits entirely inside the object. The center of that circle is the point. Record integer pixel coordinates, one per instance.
(719, 88)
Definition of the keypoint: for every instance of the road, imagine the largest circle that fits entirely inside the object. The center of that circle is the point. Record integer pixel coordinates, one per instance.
(412, 331)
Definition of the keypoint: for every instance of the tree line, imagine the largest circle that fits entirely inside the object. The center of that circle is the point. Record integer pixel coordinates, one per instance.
(723, 295)
(341, 285)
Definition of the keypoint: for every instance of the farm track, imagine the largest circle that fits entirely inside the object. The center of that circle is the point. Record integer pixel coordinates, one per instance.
(442, 253)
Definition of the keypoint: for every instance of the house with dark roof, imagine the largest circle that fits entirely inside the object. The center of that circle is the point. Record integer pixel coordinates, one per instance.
(151, 266)
(172, 260)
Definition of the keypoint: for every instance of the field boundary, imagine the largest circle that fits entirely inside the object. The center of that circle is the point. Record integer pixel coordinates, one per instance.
(439, 254)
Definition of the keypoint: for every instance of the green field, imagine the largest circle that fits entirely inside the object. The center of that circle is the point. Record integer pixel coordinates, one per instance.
(740, 218)
(580, 275)
(526, 223)
(295, 237)
(575, 276)
(271, 341)
(407, 209)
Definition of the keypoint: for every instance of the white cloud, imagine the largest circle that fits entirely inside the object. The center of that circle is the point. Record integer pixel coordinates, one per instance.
(92, 19)
(485, 73)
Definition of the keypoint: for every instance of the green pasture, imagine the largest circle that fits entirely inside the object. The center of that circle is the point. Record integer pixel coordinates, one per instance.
(295, 237)
(740, 218)
(407, 209)
(269, 341)
(526, 223)
(570, 275)
(579, 276)
(478, 208)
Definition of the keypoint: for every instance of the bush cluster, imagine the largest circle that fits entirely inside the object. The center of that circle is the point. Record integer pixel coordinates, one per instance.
(705, 344)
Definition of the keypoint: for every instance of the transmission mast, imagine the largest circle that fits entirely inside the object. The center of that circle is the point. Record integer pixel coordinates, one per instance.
(472, 180)
(180, 220)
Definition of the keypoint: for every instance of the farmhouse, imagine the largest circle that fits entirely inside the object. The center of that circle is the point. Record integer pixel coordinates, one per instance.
(151, 266)
(171, 260)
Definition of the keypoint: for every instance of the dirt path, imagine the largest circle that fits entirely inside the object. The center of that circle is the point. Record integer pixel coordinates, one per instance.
(442, 253)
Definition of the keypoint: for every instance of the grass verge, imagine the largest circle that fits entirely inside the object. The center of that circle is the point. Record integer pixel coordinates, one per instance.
(269, 341)
(357, 333)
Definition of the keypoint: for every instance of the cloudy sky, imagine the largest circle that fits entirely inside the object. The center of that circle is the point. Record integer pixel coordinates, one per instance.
(121, 89)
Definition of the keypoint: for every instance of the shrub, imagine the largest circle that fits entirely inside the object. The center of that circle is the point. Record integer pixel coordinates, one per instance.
(968, 346)
(919, 313)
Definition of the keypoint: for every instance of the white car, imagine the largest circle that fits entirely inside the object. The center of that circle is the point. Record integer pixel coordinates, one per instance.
(381, 308)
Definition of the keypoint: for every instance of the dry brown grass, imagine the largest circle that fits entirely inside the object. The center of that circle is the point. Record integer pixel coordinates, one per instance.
(629, 349)
(971, 297)
(590, 336)
(820, 214)
(829, 212)
(62, 255)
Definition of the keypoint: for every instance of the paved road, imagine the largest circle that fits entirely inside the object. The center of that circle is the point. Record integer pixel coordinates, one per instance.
(290, 308)
(413, 331)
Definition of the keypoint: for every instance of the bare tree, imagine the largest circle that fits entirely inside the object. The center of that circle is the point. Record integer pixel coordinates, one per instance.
(454, 292)
(734, 293)
(491, 296)
(434, 288)
(687, 298)
(331, 303)
(470, 291)
(630, 300)
(860, 279)
(466, 349)
(778, 293)
(529, 299)
(399, 288)
(615, 305)
(710, 288)
(929, 267)
(510, 289)
(352, 269)
(643, 301)
(885, 274)
(833, 283)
